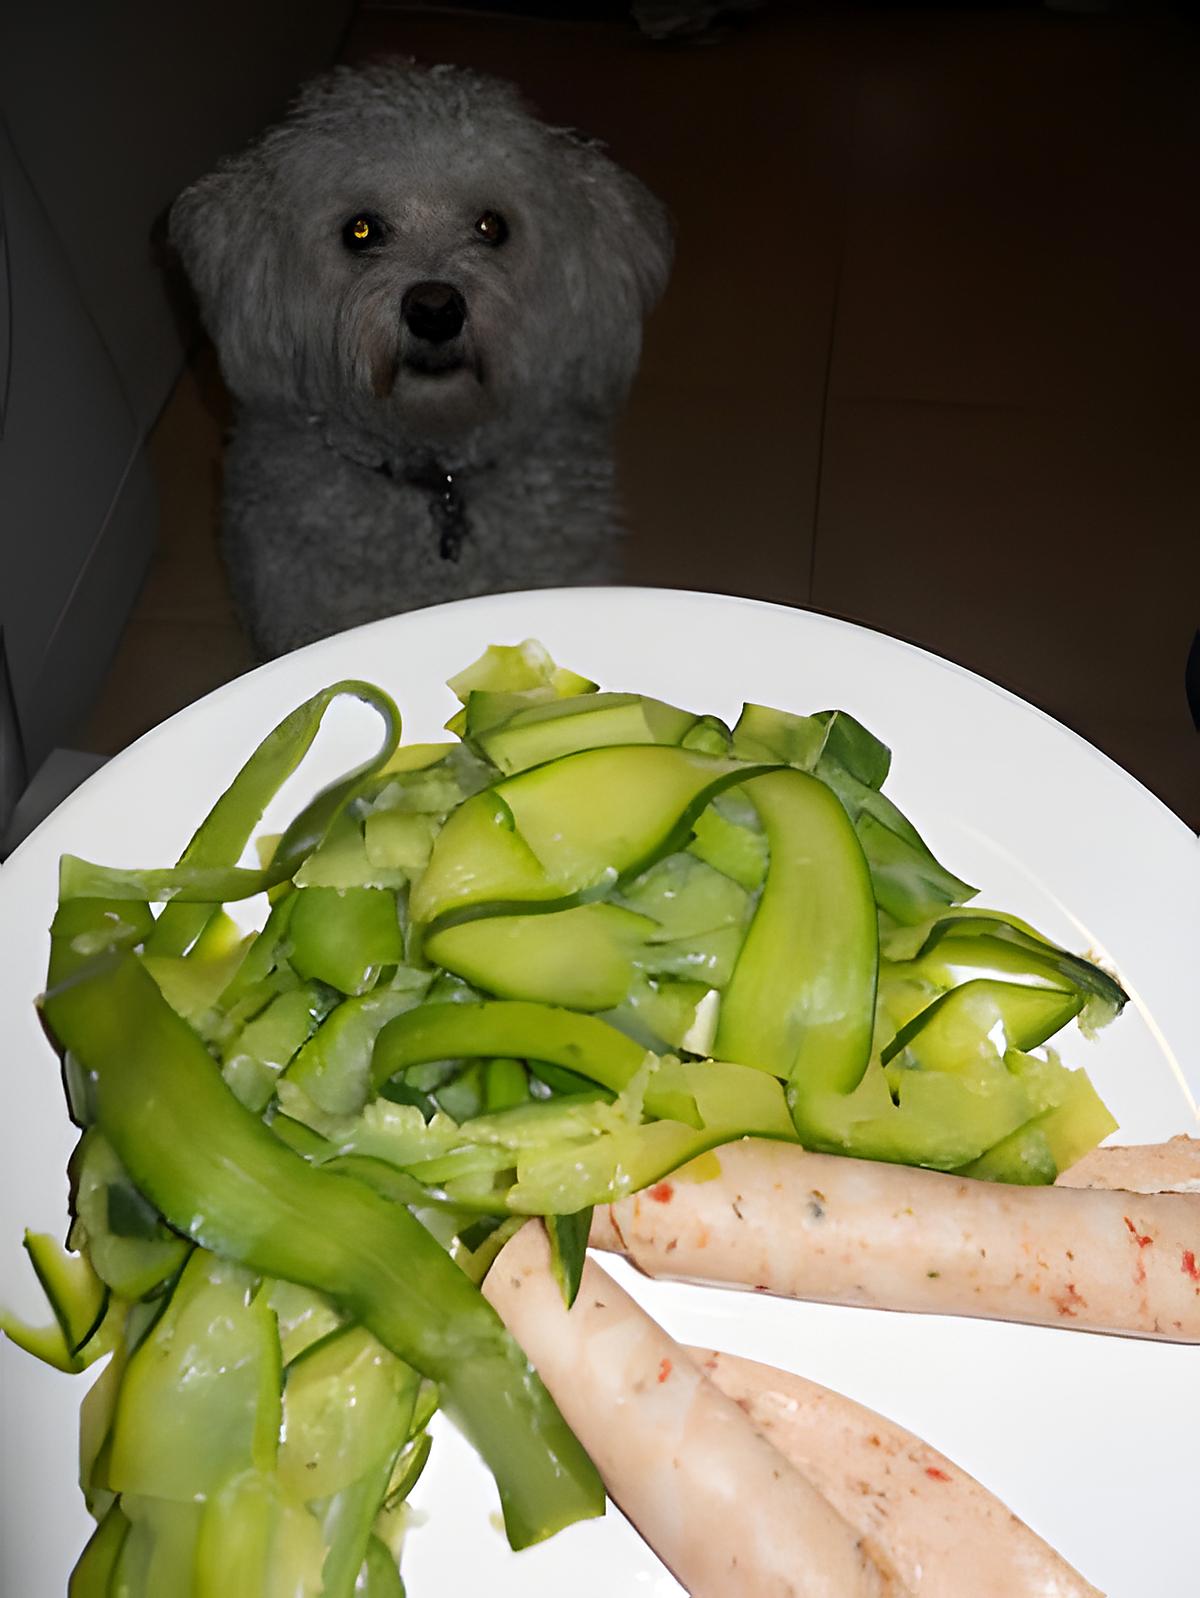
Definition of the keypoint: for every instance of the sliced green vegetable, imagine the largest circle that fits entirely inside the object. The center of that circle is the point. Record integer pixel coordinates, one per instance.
(776, 737)
(568, 1236)
(960, 1026)
(77, 1296)
(409, 1466)
(477, 1261)
(1023, 1159)
(399, 840)
(935, 1119)
(708, 957)
(206, 869)
(582, 957)
(507, 678)
(199, 1400)
(509, 668)
(1071, 1120)
(84, 928)
(252, 1062)
(345, 937)
(983, 941)
(334, 1066)
(739, 852)
(82, 1330)
(346, 1522)
(218, 1173)
(380, 1577)
(132, 1265)
(159, 1554)
(262, 973)
(1072, 1116)
(344, 860)
(909, 883)
(233, 1544)
(664, 1013)
(93, 1573)
(95, 1430)
(511, 1029)
(538, 733)
(733, 1100)
(428, 789)
(192, 985)
(506, 1085)
(944, 1094)
(416, 757)
(801, 1000)
(684, 896)
(854, 748)
(301, 1316)
(577, 824)
(348, 1403)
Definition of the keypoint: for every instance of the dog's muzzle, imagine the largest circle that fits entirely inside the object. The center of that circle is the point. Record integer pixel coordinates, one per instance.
(434, 312)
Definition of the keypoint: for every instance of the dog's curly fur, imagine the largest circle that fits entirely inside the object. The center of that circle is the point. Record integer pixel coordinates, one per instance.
(341, 406)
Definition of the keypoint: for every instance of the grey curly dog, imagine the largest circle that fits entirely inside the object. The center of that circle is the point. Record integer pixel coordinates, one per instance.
(428, 306)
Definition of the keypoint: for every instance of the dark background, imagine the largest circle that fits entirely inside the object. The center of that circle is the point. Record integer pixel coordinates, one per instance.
(929, 358)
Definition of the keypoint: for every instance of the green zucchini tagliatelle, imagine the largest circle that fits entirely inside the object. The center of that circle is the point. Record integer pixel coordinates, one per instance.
(522, 973)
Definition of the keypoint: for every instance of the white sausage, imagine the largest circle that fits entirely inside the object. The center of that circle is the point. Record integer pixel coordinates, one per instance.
(1171, 1167)
(945, 1534)
(844, 1231)
(721, 1507)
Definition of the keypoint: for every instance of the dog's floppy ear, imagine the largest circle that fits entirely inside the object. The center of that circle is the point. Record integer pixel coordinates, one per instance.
(630, 226)
(204, 227)
(621, 265)
(218, 229)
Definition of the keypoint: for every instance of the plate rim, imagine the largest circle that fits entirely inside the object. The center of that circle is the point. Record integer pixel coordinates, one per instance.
(244, 684)
(265, 669)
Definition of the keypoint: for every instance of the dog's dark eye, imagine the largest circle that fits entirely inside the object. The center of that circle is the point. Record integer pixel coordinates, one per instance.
(492, 228)
(362, 232)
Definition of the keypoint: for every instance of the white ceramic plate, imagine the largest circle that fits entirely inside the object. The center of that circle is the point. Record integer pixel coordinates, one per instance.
(1090, 1439)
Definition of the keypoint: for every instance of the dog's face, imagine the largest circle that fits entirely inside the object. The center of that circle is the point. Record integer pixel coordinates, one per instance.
(413, 253)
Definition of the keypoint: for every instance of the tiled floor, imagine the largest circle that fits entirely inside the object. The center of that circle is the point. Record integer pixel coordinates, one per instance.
(928, 359)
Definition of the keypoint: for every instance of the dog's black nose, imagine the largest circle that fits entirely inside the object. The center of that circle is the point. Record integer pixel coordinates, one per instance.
(434, 311)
